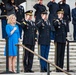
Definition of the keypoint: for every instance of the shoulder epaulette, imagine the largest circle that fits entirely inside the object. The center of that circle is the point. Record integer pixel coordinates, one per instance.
(24, 23)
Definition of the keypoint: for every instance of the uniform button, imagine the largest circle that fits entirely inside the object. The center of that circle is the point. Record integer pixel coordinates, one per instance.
(27, 28)
(4, 10)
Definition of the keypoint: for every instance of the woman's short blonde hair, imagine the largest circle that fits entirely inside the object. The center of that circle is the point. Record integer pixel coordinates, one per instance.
(9, 18)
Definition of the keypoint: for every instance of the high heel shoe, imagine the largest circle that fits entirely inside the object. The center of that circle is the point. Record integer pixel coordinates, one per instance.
(14, 71)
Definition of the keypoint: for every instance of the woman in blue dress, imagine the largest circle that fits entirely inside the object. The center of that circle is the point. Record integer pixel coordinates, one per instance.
(13, 38)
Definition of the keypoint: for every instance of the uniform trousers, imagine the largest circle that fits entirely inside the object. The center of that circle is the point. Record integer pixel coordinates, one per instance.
(52, 34)
(60, 51)
(28, 58)
(67, 25)
(44, 51)
(74, 32)
(4, 23)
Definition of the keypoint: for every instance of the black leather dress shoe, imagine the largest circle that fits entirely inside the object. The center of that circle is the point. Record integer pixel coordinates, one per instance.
(25, 70)
(46, 70)
(30, 71)
(42, 70)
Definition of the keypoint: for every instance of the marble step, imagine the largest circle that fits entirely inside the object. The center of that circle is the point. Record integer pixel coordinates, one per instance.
(38, 73)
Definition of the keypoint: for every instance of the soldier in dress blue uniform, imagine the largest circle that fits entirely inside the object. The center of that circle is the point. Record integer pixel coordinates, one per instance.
(20, 17)
(44, 28)
(3, 19)
(29, 29)
(66, 8)
(11, 7)
(60, 38)
(20, 13)
(53, 7)
(74, 21)
(39, 9)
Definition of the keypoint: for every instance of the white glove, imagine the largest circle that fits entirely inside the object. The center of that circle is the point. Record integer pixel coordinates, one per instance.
(13, 30)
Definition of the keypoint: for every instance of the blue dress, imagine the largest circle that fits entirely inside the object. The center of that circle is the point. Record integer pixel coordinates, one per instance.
(12, 39)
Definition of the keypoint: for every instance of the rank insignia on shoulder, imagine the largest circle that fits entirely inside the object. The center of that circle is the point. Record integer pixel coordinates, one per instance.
(24, 23)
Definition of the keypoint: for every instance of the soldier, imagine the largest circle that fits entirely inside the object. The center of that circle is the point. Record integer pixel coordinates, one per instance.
(53, 7)
(74, 21)
(28, 40)
(20, 13)
(44, 28)
(3, 18)
(66, 8)
(11, 7)
(20, 17)
(60, 38)
(39, 9)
